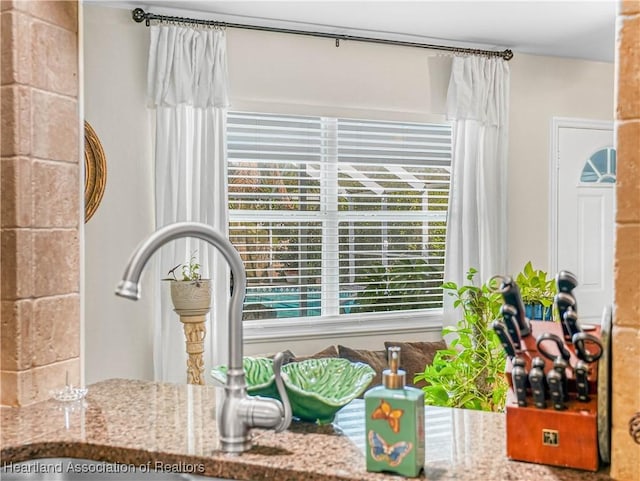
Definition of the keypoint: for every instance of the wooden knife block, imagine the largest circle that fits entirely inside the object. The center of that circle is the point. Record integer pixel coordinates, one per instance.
(566, 438)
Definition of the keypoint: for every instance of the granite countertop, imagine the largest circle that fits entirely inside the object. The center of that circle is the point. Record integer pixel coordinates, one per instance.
(172, 425)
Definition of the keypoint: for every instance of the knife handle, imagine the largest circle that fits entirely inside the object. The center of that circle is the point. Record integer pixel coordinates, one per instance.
(511, 295)
(570, 320)
(583, 352)
(566, 281)
(582, 384)
(564, 301)
(560, 351)
(509, 313)
(554, 380)
(537, 382)
(505, 339)
(519, 381)
(560, 366)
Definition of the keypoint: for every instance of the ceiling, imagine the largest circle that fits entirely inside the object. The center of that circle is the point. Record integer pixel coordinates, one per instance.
(576, 29)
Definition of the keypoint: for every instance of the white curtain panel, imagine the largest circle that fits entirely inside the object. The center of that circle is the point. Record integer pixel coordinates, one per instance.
(187, 86)
(477, 103)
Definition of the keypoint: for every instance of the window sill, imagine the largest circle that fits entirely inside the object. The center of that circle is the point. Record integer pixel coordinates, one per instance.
(340, 326)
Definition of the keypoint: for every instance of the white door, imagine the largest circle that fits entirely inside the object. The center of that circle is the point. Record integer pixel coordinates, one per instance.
(585, 205)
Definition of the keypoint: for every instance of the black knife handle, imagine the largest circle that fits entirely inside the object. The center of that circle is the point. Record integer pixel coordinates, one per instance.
(505, 339)
(554, 380)
(562, 350)
(581, 372)
(581, 341)
(570, 321)
(537, 382)
(560, 366)
(519, 381)
(509, 313)
(511, 295)
(566, 281)
(564, 301)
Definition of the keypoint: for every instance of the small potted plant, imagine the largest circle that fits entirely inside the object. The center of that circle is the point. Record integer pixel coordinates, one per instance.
(191, 297)
(190, 293)
(537, 292)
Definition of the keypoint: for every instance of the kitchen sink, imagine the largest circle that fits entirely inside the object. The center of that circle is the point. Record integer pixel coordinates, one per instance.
(71, 469)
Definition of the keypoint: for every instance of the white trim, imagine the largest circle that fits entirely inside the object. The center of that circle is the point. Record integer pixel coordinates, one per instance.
(554, 164)
(81, 212)
(323, 215)
(338, 111)
(330, 323)
(330, 257)
(405, 322)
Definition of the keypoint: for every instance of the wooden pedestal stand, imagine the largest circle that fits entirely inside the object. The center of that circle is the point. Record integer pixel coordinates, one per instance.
(192, 302)
(194, 333)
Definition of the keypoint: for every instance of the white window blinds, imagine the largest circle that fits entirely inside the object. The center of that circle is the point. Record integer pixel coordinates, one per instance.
(336, 217)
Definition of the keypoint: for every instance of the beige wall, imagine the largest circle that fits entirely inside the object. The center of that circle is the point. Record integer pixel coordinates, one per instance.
(625, 463)
(115, 52)
(40, 200)
(543, 88)
(304, 75)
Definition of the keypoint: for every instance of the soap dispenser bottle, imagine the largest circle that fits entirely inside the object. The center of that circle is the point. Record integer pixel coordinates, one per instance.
(394, 423)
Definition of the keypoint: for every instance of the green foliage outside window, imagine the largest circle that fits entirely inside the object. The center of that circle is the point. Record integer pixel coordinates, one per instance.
(281, 251)
(405, 283)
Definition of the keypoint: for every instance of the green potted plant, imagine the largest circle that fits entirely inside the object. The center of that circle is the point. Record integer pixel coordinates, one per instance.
(190, 293)
(537, 292)
(470, 372)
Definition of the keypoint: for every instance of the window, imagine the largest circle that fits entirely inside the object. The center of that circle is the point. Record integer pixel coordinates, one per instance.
(336, 217)
(600, 168)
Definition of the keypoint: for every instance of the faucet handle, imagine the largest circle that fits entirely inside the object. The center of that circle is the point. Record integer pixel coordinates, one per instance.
(264, 412)
(277, 371)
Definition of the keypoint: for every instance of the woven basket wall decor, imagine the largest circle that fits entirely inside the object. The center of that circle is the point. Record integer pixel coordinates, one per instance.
(95, 165)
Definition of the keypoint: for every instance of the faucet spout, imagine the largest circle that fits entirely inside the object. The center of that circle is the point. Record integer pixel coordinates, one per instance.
(129, 286)
(239, 412)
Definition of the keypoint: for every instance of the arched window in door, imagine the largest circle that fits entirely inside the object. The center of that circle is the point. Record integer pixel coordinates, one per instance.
(600, 168)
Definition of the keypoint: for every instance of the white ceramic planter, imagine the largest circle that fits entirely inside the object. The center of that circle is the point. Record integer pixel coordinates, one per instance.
(191, 297)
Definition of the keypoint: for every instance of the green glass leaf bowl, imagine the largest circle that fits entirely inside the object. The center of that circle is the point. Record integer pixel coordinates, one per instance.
(317, 388)
(258, 372)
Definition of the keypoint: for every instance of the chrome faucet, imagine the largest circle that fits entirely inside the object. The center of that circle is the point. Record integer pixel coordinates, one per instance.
(239, 412)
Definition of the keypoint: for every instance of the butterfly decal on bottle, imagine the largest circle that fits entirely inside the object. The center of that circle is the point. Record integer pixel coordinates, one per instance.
(386, 412)
(381, 451)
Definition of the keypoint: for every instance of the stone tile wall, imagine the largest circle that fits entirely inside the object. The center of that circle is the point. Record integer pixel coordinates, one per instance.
(40, 211)
(625, 462)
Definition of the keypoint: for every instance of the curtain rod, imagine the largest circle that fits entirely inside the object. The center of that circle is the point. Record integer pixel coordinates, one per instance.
(140, 15)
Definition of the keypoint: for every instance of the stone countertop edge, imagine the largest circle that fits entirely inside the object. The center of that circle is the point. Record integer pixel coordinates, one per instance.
(172, 427)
